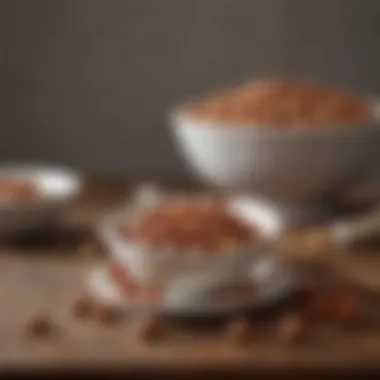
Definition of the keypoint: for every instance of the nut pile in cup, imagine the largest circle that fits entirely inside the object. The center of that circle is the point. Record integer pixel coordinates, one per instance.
(282, 103)
(18, 190)
(190, 225)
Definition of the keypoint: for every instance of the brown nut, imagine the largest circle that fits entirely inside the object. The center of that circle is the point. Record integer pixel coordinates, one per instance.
(239, 331)
(338, 305)
(39, 325)
(344, 306)
(150, 329)
(292, 330)
(83, 306)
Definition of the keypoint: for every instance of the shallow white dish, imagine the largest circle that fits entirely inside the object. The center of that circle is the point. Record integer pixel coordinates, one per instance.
(274, 283)
(58, 186)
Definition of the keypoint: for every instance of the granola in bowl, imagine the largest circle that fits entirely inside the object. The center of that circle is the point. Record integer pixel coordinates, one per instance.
(282, 102)
(185, 225)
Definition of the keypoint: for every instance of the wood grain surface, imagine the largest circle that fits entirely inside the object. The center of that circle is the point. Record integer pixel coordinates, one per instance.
(45, 272)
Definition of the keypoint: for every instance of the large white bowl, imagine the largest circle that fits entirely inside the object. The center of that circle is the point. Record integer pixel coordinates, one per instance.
(58, 187)
(289, 167)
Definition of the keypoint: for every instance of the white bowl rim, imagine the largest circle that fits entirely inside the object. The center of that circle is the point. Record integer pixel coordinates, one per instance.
(178, 114)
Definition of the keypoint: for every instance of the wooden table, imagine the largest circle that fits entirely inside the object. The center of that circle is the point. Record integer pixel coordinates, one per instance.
(47, 273)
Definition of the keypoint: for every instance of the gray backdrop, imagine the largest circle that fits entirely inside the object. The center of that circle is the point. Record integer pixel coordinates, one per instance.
(89, 82)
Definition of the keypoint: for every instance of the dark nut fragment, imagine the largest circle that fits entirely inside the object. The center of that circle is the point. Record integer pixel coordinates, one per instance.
(151, 329)
(83, 306)
(239, 331)
(292, 330)
(39, 325)
(338, 305)
(344, 306)
(106, 314)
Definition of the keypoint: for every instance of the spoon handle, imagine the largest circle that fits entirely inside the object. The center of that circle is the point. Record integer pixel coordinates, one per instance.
(324, 243)
(357, 230)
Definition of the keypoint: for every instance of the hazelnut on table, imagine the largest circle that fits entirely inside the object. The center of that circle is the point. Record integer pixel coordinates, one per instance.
(39, 325)
(83, 306)
(344, 306)
(239, 331)
(292, 330)
(337, 305)
(150, 329)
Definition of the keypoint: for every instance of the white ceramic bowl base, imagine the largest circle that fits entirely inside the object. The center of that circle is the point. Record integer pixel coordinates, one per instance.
(297, 170)
(273, 284)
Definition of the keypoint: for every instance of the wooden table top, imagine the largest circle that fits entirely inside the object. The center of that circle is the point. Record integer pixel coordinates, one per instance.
(45, 273)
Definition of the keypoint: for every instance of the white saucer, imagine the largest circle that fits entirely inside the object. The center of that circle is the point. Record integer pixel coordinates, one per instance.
(274, 284)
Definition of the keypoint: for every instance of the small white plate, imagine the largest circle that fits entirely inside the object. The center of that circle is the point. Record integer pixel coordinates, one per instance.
(58, 186)
(274, 284)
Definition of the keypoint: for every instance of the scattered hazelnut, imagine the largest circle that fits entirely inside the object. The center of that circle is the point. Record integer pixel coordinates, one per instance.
(39, 325)
(344, 306)
(83, 306)
(239, 331)
(150, 329)
(292, 330)
(338, 305)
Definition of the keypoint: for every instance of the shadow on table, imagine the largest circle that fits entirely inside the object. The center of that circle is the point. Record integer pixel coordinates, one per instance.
(55, 238)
